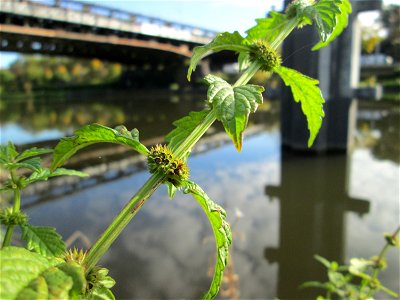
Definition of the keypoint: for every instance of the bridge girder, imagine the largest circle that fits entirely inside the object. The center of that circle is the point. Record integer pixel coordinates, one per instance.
(25, 39)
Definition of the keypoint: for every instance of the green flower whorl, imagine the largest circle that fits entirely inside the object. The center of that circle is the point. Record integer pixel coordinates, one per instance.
(161, 159)
(9, 217)
(263, 52)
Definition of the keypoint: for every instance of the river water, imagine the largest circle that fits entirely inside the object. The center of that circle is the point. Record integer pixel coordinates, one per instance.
(283, 207)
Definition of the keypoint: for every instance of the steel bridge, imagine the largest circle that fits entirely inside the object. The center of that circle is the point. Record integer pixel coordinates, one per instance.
(72, 28)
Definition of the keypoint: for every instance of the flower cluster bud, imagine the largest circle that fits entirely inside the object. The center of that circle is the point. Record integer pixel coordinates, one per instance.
(75, 256)
(9, 217)
(161, 159)
(263, 52)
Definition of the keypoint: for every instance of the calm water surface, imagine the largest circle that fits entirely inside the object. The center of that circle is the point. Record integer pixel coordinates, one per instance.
(283, 207)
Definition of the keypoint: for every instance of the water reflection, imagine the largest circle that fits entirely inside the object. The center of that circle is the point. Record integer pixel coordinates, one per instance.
(319, 203)
(313, 205)
(30, 121)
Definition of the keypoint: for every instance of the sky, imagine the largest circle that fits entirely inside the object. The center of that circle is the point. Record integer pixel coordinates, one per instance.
(217, 15)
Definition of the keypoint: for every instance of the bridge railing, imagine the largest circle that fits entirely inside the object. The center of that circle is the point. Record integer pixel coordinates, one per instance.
(94, 15)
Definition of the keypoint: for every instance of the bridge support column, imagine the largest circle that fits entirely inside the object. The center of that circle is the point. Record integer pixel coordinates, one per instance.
(337, 69)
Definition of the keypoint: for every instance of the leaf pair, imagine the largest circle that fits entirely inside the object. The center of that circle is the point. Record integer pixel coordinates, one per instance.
(330, 17)
(233, 105)
(10, 159)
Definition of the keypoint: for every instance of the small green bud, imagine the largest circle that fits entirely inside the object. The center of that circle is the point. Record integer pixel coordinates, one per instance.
(379, 263)
(392, 240)
(161, 159)
(9, 217)
(122, 130)
(135, 134)
(263, 52)
(97, 277)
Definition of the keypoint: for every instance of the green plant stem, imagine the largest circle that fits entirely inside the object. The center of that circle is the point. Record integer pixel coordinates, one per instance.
(248, 74)
(121, 220)
(133, 206)
(283, 34)
(8, 236)
(381, 255)
(16, 208)
(195, 135)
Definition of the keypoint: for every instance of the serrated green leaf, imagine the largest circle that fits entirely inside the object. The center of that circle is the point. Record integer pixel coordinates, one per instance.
(233, 105)
(305, 91)
(44, 174)
(323, 261)
(7, 153)
(324, 14)
(43, 240)
(267, 28)
(89, 135)
(184, 127)
(341, 23)
(18, 268)
(32, 164)
(67, 172)
(222, 233)
(100, 293)
(33, 152)
(223, 41)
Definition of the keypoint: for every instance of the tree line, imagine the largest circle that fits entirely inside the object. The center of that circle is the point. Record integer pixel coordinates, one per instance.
(32, 72)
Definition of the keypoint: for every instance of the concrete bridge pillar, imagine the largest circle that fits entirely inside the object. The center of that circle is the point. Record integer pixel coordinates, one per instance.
(337, 68)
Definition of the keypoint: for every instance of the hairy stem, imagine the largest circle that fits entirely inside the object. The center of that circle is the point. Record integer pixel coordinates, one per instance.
(283, 34)
(130, 210)
(121, 220)
(248, 74)
(16, 208)
(195, 135)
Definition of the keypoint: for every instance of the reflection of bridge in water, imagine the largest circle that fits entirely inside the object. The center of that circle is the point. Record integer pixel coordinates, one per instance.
(110, 163)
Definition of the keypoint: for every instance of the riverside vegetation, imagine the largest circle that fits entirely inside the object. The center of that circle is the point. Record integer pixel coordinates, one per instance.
(45, 269)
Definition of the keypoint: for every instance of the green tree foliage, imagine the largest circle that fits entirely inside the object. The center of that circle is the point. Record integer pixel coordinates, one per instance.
(391, 20)
(47, 72)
